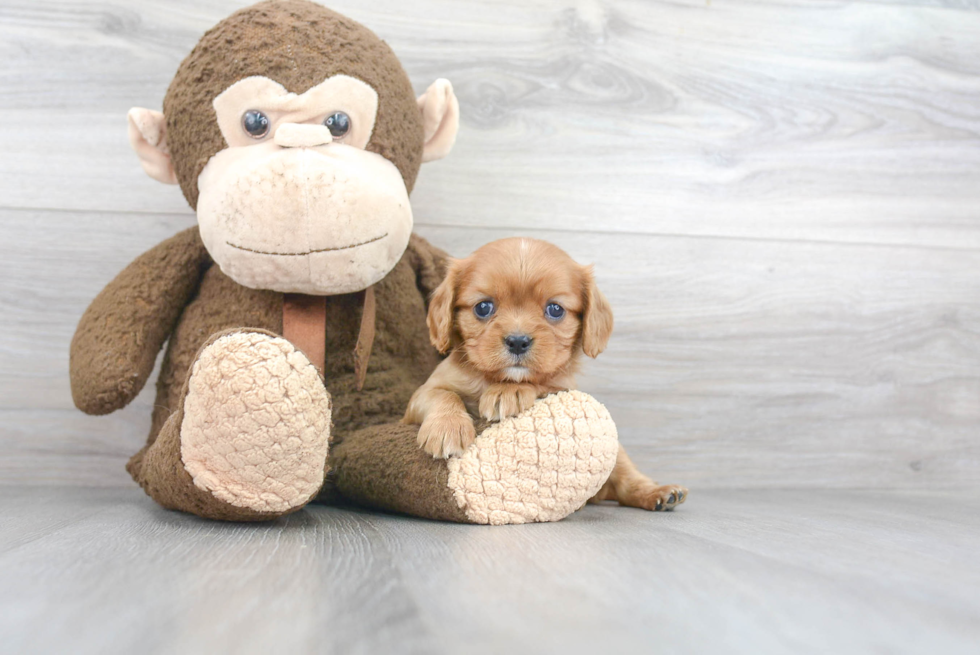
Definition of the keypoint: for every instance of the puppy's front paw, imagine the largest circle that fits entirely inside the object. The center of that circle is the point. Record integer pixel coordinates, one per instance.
(506, 399)
(445, 435)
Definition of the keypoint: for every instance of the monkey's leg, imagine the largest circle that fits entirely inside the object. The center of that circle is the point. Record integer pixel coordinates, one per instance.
(541, 465)
(249, 440)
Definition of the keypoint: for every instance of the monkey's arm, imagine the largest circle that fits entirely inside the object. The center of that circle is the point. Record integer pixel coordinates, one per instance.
(121, 332)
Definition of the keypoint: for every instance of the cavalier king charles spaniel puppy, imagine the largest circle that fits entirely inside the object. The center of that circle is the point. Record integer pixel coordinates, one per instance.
(515, 317)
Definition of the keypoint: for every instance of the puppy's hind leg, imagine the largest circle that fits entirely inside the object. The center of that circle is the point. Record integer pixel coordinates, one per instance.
(630, 488)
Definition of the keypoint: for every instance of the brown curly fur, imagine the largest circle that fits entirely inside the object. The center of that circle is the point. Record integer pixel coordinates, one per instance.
(298, 44)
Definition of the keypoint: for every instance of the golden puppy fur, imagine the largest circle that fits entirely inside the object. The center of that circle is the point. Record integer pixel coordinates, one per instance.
(515, 317)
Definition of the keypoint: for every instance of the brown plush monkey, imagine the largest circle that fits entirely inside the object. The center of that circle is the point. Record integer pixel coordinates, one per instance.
(295, 312)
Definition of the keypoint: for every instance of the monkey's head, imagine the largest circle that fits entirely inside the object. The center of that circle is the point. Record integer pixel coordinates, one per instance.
(294, 133)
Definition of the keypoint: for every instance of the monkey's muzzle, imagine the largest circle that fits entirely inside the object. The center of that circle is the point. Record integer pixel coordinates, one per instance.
(325, 220)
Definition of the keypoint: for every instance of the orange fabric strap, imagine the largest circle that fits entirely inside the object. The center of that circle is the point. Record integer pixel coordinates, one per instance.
(304, 324)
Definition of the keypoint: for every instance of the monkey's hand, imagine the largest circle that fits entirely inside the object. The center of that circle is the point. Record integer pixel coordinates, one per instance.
(118, 338)
(506, 399)
(445, 435)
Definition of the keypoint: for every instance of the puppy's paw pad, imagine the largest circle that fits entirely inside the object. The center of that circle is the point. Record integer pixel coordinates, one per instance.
(662, 498)
(446, 435)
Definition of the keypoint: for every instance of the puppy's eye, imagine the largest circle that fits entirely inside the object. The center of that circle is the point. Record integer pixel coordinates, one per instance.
(554, 311)
(255, 123)
(483, 309)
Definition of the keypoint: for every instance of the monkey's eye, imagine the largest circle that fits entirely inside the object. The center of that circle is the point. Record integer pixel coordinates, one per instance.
(338, 123)
(554, 311)
(255, 123)
(483, 309)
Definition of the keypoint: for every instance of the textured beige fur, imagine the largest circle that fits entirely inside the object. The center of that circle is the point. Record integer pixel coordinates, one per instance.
(256, 423)
(440, 119)
(324, 220)
(539, 466)
(148, 138)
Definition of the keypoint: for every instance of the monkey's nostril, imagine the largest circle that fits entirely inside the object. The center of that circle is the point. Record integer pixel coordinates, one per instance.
(518, 344)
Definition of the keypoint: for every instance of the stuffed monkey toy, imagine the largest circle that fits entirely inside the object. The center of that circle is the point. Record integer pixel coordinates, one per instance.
(294, 313)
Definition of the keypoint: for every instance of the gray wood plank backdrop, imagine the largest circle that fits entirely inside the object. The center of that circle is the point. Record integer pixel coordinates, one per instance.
(782, 200)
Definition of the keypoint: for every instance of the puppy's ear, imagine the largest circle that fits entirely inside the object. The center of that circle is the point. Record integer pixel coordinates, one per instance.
(442, 308)
(597, 317)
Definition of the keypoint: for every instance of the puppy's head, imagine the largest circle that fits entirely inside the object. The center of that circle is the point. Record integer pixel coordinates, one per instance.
(519, 310)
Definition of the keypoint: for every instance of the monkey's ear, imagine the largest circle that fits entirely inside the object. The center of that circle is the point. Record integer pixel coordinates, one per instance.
(440, 118)
(442, 308)
(597, 317)
(148, 138)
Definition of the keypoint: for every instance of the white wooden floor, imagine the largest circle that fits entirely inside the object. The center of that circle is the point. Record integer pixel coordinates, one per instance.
(782, 200)
(106, 571)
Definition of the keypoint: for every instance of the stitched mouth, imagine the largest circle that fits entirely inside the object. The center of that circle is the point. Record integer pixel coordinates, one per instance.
(308, 252)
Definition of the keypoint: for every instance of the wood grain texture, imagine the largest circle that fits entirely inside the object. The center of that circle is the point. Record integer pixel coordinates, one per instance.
(789, 120)
(781, 199)
(107, 571)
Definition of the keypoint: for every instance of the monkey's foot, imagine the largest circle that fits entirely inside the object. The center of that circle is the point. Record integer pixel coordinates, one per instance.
(256, 423)
(541, 465)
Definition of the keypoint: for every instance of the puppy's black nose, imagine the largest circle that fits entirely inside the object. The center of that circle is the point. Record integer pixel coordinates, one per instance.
(518, 344)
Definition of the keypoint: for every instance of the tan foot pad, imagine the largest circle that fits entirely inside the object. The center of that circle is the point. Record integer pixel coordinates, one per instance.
(539, 466)
(256, 423)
